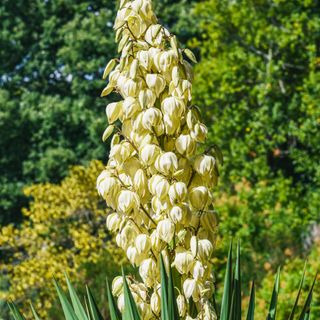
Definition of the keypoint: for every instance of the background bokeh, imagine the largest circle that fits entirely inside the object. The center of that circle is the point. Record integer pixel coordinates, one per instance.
(258, 86)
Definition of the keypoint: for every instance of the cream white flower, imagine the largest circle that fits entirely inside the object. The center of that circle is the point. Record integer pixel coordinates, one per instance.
(178, 192)
(201, 248)
(182, 305)
(117, 286)
(183, 260)
(204, 164)
(143, 243)
(156, 83)
(151, 118)
(185, 145)
(165, 230)
(128, 201)
(155, 303)
(149, 153)
(191, 289)
(167, 163)
(113, 222)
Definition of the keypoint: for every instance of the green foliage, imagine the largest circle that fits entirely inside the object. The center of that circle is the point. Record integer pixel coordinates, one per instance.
(258, 83)
(53, 53)
(230, 309)
(63, 228)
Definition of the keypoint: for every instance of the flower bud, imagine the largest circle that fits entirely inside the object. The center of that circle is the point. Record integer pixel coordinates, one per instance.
(185, 145)
(134, 68)
(165, 230)
(155, 303)
(178, 192)
(156, 83)
(182, 305)
(199, 197)
(143, 243)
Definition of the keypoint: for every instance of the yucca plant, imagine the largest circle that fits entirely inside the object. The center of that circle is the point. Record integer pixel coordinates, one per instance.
(74, 309)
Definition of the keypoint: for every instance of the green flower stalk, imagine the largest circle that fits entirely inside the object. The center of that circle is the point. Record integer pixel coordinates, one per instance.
(157, 185)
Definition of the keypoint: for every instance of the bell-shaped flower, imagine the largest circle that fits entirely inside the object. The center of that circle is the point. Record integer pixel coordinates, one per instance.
(143, 243)
(149, 153)
(156, 83)
(199, 197)
(204, 164)
(183, 260)
(165, 230)
(159, 186)
(201, 248)
(199, 132)
(191, 289)
(128, 201)
(167, 163)
(185, 145)
(113, 222)
(151, 118)
(178, 192)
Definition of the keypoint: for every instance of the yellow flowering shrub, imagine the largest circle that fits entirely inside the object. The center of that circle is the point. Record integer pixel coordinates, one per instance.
(157, 182)
(63, 231)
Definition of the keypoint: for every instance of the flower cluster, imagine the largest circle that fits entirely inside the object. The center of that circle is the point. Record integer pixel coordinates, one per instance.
(155, 182)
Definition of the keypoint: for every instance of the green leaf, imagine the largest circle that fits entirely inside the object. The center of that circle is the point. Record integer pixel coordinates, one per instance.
(35, 315)
(114, 312)
(250, 315)
(235, 312)
(94, 310)
(227, 290)
(164, 291)
(298, 295)
(77, 306)
(172, 300)
(274, 299)
(305, 313)
(66, 306)
(15, 312)
(130, 307)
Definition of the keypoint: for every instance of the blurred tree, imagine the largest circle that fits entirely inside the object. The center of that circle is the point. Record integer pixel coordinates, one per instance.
(52, 58)
(63, 231)
(258, 83)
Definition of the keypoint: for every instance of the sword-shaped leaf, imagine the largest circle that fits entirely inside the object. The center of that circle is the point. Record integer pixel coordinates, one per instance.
(76, 303)
(66, 306)
(15, 312)
(114, 312)
(35, 315)
(164, 291)
(305, 313)
(298, 295)
(250, 315)
(93, 308)
(274, 299)
(130, 307)
(227, 290)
